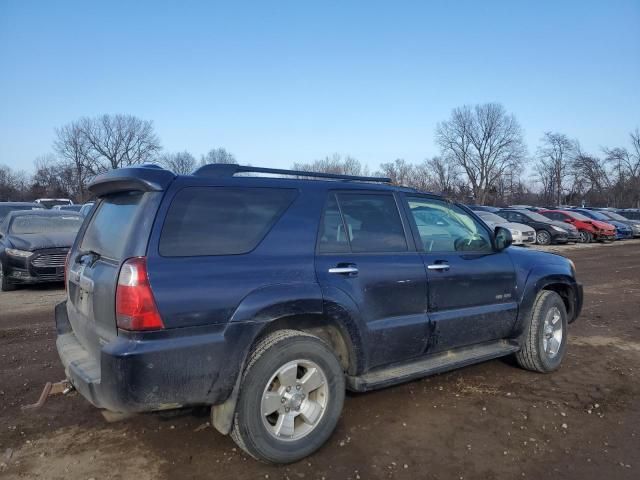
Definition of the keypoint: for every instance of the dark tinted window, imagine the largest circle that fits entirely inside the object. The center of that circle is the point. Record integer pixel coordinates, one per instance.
(111, 224)
(373, 223)
(332, 238)
(221, 221)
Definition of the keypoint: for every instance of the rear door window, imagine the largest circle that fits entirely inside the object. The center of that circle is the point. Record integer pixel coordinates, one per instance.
(111, 224)
(221, 221)
(373, 223)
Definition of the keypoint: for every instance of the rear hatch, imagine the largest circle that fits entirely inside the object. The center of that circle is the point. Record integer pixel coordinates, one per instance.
(117, 229)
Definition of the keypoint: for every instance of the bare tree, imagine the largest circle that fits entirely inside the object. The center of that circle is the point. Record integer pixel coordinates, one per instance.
(554, 160)
(181, 163)
(399, 171)
(218, 155)
(444, 175)
(626, 168)
(483, 141)
(116, 141)
(13, 184)
(54, 178)
(333, 164)
(73, 147)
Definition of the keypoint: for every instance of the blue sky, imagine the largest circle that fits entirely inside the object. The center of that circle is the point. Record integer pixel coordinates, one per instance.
(278, 82)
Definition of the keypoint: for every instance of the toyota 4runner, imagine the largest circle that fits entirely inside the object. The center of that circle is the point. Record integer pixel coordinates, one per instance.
(267, 293)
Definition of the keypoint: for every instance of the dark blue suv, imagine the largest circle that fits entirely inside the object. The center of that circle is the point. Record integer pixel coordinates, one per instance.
(267, 293)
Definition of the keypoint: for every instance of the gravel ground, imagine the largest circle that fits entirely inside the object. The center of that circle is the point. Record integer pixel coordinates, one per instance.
(487, 421)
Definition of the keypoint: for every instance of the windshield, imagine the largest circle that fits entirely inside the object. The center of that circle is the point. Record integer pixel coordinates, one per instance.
(578, 216)
(491, 217)
(46, 224)
(536, 216)
(615, 216)
(598, 216)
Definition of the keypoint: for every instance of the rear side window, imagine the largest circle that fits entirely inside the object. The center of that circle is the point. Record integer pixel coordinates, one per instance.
(109, 229)
(221, 221)
(372, 224)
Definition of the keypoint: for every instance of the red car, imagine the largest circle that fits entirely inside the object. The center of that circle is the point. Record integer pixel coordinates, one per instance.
(590, 230)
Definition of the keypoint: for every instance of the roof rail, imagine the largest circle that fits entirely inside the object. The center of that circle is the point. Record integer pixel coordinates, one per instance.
(224, 170)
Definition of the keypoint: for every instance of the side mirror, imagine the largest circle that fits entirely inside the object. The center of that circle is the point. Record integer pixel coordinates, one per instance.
(503, 238)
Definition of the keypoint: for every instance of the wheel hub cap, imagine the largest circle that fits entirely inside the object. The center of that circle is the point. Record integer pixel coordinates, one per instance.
(294, 400)
(553, 333)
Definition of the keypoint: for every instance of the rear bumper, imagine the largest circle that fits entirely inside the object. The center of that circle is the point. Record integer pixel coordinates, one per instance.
(158, 372)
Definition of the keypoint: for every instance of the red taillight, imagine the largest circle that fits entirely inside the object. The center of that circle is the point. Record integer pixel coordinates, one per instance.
(135, 307)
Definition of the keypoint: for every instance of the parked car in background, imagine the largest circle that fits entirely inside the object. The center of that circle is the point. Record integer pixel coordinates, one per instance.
(623, 231)
(482, 208)
(547, 231)
(524, 207)
(6, 207)
(520, 232)
(634, 224)
(34, 245)
(187, 290)
(67, 208)
(51, 202)
(86, 208)
(630, 213)
(589, 229)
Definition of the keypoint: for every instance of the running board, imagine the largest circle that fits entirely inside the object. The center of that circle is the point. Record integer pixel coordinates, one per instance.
(431, 365)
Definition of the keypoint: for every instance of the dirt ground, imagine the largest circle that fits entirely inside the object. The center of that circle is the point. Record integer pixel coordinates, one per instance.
(487, 421)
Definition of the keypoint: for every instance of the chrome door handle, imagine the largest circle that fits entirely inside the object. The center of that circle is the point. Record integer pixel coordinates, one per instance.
(439, 266)
(343, 270)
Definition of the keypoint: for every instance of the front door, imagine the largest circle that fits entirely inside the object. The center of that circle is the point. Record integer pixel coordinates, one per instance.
(472, 296)
(365, 251)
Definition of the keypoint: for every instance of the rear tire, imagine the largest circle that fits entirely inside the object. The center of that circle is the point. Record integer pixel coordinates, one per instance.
(545, 342)
(5, 285)
(585, 237)
(290, 398)
(543, 237)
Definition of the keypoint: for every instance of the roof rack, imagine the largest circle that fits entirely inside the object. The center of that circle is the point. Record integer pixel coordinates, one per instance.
(225, 170)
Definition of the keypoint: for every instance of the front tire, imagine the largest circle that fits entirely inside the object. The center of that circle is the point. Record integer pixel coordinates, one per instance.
(290, 398)
(545, 341)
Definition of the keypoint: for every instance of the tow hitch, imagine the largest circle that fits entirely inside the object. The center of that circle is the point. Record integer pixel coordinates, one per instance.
(62, 387)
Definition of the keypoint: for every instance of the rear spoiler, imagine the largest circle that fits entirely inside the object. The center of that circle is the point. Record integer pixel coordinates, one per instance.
(144, 178)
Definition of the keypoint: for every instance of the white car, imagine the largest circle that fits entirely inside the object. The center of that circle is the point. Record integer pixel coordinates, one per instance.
(521, 233)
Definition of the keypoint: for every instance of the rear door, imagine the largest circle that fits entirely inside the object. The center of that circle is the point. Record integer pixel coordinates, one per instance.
(118, 229)
(471, 286)
(364, 252)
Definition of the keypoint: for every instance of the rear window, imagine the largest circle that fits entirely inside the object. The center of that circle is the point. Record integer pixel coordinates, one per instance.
(45, 224)
(221, 221)
(110, 226)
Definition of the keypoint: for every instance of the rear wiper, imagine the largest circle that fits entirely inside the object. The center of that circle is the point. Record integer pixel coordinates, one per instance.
(88, 257)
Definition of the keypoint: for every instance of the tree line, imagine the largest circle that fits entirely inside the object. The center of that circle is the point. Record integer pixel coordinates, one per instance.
(482, 159)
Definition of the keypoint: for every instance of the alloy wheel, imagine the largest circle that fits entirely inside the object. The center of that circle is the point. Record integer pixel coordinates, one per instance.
(294, 400)
(543, 237)
(553, 333)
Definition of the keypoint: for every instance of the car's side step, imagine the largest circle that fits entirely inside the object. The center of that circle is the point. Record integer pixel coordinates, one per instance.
(430, 365)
